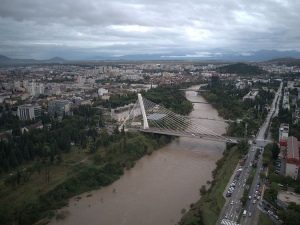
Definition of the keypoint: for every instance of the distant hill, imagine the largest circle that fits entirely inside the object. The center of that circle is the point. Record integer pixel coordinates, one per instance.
(4, 59)
(285, 61)
(241, 69)
(56, 59)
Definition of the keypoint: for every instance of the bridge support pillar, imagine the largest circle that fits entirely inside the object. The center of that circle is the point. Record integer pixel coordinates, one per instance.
(146, 126)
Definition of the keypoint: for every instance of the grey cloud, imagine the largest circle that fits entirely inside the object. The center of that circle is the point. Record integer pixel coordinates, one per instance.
(89, 27)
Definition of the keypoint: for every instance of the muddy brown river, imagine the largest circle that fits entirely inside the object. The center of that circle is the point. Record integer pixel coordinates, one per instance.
(160, 186)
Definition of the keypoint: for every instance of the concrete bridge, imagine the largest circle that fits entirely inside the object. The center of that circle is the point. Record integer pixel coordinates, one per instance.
(157, 119)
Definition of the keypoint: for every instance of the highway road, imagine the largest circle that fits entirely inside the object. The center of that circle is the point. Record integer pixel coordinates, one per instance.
(233, 206)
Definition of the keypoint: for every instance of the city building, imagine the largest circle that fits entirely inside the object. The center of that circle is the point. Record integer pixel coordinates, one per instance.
(59, 107)
(283, 131)
(292, 158)
(286, 100)
(121, 113)
(29, 112)
(102, 91)
(251, 95)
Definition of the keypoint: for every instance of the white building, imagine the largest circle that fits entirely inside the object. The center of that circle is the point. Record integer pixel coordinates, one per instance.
(251, 95)
(29, 112)
(102, 91)
(121, 113)
(283, 131)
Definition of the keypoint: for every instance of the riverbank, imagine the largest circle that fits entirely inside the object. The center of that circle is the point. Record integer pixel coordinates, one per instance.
(80, 178)
(207, 209)
(165, 183)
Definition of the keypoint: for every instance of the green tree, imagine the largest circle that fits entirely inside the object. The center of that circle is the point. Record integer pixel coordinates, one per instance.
(5, 165)
(18, 177)
(203, 190)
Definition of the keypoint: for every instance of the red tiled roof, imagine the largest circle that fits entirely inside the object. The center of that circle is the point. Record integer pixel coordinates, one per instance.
(292, 148)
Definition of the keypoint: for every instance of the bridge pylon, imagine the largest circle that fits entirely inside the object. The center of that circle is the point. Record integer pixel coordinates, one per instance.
(146, 125)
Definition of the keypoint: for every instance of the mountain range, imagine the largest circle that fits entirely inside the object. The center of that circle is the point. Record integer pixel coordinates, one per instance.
(5, 59)
(213, 54)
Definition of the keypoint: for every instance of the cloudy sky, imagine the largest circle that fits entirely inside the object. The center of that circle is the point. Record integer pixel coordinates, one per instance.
(81, 29)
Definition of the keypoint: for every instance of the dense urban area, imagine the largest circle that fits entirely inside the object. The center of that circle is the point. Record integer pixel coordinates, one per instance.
(62, 134)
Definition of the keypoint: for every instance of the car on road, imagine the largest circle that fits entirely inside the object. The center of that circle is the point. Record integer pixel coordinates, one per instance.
(232, 202)
(254, 201)
(226, 216)
(245, 213)
(228, 195)
(276, 217)
(250, 197)
(249, 214)
(237, 209)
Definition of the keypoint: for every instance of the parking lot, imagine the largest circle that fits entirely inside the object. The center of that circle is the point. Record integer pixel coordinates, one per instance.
(280, 166)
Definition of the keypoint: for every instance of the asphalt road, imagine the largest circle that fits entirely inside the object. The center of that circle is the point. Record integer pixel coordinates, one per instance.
(229, 211)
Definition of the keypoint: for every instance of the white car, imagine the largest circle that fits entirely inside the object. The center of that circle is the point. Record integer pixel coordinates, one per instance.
(232, 202)
(254, 201)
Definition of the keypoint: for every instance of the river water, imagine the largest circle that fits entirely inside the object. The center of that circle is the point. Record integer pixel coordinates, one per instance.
(160, 186)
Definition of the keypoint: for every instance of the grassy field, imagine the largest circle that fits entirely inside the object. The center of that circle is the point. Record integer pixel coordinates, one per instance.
(211, 210)
(265, 220)
(28, 192)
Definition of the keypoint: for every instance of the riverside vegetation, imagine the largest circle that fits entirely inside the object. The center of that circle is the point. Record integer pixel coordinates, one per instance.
(230, 105)
(42, 169)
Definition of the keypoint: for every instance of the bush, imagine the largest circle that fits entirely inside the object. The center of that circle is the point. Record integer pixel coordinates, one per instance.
(62, 215)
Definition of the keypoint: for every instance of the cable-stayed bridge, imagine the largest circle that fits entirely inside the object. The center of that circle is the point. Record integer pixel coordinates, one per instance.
(153, 118)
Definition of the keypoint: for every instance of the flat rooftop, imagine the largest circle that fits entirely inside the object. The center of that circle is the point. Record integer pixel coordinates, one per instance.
(288, 197)
(292, 148)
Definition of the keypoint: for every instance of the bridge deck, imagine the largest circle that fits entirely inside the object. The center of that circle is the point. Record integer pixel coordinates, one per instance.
(193, 135)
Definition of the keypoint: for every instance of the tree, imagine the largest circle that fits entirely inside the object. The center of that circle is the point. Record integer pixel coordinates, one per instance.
(1, 186)
(262, 175)
(5, 165)
(47, 170)
(290, 217)
(92, 147)
(57, 159)
(38, 166)
(26, 153)
(12, 159)
(18, 177)
(11, 180)
(203, 190)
